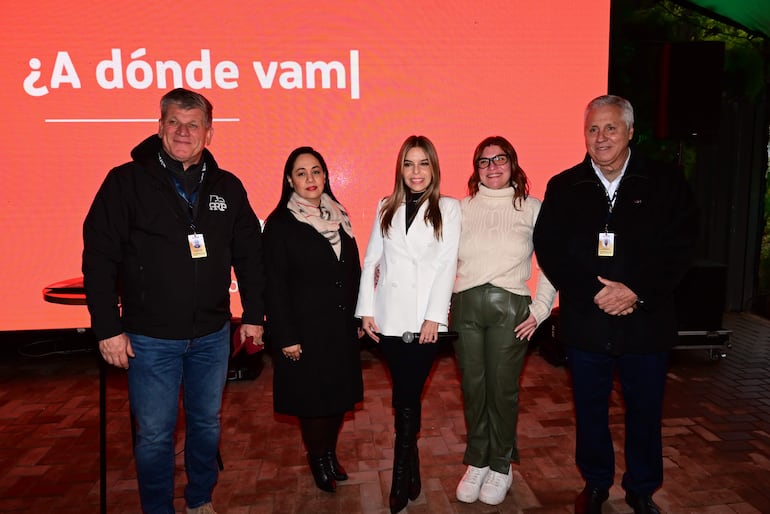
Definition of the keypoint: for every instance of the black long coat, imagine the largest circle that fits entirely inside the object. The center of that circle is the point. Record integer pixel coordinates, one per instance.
(655, 225)
(310, 300)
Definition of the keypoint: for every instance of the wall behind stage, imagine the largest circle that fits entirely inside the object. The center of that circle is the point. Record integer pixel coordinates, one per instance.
(81, 83)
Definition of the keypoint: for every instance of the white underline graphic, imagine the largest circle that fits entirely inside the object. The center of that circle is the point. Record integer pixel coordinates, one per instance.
(120, 120)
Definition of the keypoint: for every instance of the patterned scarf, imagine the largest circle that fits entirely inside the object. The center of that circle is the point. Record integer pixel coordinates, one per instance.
(326, 219)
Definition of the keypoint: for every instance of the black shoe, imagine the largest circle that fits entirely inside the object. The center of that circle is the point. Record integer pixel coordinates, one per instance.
(590, 500)
(642, 503)
(337, 471)
(321, 473)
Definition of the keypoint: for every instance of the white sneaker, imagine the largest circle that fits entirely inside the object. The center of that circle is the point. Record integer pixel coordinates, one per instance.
(495, 487)
(470, 484)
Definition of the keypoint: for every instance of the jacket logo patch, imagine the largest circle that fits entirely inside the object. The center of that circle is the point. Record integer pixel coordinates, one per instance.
(217, 203)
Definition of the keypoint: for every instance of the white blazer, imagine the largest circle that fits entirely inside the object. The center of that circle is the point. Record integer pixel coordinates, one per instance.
(416, 272)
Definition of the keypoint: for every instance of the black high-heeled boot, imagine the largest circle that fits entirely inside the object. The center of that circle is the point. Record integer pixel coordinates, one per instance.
(406, 435)
(415, 484)
(399, 489)
(337, 471)
(321, 473)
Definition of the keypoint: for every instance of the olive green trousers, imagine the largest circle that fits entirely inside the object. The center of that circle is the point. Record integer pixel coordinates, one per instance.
(490, 358)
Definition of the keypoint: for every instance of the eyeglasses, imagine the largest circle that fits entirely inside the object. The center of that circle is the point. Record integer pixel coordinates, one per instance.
(499, 160)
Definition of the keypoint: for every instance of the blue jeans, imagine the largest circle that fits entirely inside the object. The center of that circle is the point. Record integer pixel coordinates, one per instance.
(155, 375)
(642, 380)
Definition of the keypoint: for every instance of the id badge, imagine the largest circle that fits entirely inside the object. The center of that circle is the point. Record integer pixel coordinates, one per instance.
(197, 246)
(606, 244)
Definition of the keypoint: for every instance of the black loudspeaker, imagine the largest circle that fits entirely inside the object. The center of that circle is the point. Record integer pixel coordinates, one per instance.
(690, 89)
(700, 297)
(547, 340)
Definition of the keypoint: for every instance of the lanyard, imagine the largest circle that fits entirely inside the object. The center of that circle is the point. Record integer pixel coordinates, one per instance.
(610, 206)
(193, 198)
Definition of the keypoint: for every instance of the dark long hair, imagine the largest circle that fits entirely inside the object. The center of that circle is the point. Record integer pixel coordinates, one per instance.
(286, 189)
(432, 193)
(518, 177)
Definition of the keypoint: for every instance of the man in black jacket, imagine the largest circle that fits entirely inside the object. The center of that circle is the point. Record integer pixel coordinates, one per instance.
(615, 235)
(160, 239)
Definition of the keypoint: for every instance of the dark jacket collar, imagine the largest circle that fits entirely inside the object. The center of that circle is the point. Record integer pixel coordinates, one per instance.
(585, 171)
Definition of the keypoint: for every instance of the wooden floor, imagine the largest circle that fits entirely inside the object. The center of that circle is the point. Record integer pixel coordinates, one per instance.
(716, 437)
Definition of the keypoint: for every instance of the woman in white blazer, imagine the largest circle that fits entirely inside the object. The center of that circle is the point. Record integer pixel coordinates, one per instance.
(406, 286)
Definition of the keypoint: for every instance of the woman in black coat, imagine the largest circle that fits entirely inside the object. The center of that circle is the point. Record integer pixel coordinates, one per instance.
(313, 273)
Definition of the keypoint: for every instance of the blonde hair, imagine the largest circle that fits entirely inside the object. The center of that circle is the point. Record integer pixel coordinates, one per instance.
(432, 193)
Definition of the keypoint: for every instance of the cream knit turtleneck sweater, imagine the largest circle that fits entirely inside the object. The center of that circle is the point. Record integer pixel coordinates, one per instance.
(496, 247)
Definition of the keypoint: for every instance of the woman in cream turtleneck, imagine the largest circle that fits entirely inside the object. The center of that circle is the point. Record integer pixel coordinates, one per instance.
(494, 314)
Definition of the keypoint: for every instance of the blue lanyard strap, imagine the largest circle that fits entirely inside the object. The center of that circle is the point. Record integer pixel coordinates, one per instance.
(193, 198)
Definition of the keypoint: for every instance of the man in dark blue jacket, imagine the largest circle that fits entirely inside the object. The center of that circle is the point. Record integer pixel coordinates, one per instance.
(615, 235)
(160, 240)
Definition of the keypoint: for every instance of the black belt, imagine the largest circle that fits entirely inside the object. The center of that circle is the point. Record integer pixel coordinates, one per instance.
(413, 337)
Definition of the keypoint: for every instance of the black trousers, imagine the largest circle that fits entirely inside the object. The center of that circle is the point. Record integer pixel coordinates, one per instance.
(409, 365)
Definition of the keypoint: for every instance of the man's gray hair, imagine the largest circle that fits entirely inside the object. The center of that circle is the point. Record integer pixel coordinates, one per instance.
(625, 107)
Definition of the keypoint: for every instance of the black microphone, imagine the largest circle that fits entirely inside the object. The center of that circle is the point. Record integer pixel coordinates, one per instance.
(443, 337)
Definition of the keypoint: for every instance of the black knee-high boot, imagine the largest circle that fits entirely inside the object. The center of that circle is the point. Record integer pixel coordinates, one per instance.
(415, 484)
(407, 425)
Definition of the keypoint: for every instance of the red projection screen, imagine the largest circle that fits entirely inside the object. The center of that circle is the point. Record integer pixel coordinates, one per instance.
(82, 81)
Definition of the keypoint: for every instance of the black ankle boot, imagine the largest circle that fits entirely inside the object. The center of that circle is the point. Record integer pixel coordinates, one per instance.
(407, 425)
(337, 471)
(321, 473)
